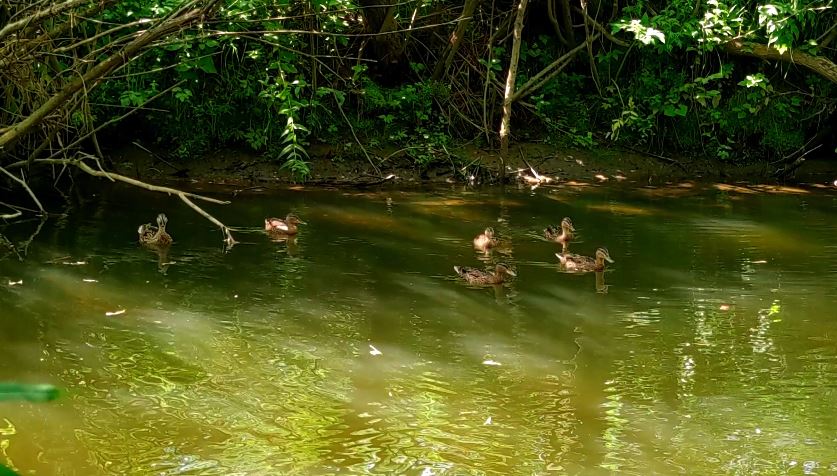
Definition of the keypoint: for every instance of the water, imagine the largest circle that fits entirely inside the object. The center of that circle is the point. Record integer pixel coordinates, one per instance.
(707, 348)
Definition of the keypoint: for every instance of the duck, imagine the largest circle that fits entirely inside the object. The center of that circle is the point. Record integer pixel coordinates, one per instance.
(288, 226)
(564, 236)
(485, 240)
(572, 262)
(155, 235)
(478, 276)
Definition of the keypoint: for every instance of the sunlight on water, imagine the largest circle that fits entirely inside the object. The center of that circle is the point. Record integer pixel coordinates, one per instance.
(707, 348)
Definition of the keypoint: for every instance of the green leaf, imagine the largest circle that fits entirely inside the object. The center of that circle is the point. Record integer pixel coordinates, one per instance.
(4, 471)
(28, 392)
(207, 64)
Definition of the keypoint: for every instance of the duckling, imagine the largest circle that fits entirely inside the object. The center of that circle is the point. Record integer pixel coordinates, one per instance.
(572, 262)
(485, 240)
(564, 236)
(478, 276)
(155, 235)
(288, 226)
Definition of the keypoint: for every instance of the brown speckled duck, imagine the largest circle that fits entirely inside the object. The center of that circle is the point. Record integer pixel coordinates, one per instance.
(485, 240)
(155, 235)
(288, 226)
(579, 263)
(564, 235)
(478, 276)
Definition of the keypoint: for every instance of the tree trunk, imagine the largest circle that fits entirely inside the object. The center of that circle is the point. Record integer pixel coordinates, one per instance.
(93, 76)
(386, 49)
(449, 54)
(509, 93)
(818, 64)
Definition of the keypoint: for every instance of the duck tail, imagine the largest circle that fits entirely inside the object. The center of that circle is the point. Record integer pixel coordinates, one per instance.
(162, 221)
(561, 258)
(457, 269)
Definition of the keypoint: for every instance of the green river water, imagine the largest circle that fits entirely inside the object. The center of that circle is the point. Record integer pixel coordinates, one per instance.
(708, 347)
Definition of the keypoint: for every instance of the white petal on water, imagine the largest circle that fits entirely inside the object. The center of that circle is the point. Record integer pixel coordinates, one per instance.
(491, 362)
(115, 313)
(374, 350)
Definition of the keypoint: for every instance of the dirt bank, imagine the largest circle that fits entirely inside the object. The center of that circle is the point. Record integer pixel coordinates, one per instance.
(549, 166)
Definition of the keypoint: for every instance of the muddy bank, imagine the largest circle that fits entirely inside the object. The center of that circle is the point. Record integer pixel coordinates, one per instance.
(532, 164)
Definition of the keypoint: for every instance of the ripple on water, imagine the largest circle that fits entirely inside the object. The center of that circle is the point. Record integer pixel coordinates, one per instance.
(710, 353)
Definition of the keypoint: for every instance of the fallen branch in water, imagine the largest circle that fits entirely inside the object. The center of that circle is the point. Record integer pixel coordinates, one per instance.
(229, 241)
(23, 184)
(78, 162)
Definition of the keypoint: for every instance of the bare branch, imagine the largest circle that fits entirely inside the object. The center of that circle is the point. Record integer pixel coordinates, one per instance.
(38, 16)
(229, 241)
(550, 71)
(26, 187)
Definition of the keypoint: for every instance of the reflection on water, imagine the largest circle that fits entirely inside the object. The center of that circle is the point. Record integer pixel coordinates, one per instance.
(708, 347)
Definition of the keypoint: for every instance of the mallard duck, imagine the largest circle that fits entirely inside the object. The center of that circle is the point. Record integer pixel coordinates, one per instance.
(485, 240)
(564, 235)
(288, 226)
(155, 235)
(478, 276)
(572, 262)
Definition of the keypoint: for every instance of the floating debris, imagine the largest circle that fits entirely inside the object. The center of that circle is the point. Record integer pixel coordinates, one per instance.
(15, 283)
(491, 362)
(115, 313)
(487, 421)
(374, 350)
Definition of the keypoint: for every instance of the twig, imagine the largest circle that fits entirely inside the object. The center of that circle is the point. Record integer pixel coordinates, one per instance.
(156, 156)
(114, 120)
(656, 156)
(25, 244)
(11, 216)
(351, 128)
(229, 241)
(786, 171)
(26, 187)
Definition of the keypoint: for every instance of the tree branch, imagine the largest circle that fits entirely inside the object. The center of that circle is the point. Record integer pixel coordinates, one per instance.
(97, 72)
(818, 64)
(229, 241)
(536, 81)
(38, 16)
(26, 187)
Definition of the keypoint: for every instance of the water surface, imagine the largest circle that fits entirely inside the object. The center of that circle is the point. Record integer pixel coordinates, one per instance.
(707, 348)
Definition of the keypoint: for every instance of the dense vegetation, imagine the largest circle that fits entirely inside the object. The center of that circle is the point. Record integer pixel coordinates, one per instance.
(730, 79)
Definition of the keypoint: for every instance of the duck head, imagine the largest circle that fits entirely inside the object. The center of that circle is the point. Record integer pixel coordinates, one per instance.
(603, 254)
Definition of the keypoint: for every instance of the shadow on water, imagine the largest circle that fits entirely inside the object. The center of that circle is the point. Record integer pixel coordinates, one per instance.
(707, 347)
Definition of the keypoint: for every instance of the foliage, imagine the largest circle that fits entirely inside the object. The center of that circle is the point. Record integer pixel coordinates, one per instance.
(252, 76)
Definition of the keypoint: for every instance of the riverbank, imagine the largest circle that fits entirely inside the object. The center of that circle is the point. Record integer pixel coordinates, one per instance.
(531, 163)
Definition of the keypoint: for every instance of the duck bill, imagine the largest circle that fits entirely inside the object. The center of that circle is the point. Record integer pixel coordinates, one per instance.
(609, 259)
(511, 273)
